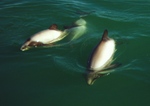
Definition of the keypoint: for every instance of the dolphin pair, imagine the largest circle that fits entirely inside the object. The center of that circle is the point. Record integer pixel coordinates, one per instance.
(49, 36)
(101, 58)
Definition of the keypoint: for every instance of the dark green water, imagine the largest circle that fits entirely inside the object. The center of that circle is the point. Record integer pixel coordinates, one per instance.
(54, 76)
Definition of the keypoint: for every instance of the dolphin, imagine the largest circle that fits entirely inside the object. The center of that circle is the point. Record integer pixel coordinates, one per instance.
(49, 36)
(101, 59)
(44, 38)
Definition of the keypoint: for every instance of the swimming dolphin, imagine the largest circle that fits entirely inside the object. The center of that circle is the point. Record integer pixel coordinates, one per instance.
(101, 59)
(49, 36)
(44, 38)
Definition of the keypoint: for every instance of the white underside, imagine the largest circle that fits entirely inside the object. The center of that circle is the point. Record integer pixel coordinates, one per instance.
(46, 36)
(103, 55)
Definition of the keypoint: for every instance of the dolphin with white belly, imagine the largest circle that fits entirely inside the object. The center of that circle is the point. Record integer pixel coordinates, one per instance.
(44, 38)
(101, 59)
(49, 36)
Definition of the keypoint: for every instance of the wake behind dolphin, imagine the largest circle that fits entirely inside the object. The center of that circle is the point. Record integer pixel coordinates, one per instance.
(76, 30)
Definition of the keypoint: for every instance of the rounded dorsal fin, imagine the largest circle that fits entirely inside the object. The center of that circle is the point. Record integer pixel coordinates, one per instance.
(105, 35)
(53, 27)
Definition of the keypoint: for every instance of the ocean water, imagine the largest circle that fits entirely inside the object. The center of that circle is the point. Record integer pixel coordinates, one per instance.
(55, 76)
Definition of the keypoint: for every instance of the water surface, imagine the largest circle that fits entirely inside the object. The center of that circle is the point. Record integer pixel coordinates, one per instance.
(54, 76)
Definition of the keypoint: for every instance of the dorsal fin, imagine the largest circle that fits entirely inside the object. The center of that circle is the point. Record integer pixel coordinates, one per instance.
(105, 35)
(53, 27)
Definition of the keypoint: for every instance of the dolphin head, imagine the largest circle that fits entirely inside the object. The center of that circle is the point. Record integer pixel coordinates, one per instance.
(24, 48)
(92, 77)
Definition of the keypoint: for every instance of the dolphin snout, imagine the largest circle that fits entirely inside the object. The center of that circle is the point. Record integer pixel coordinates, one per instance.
(24, 48)
(92, 77)
(90, 82)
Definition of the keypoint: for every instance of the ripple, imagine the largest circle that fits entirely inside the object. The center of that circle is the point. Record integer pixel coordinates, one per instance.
(69, 64)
